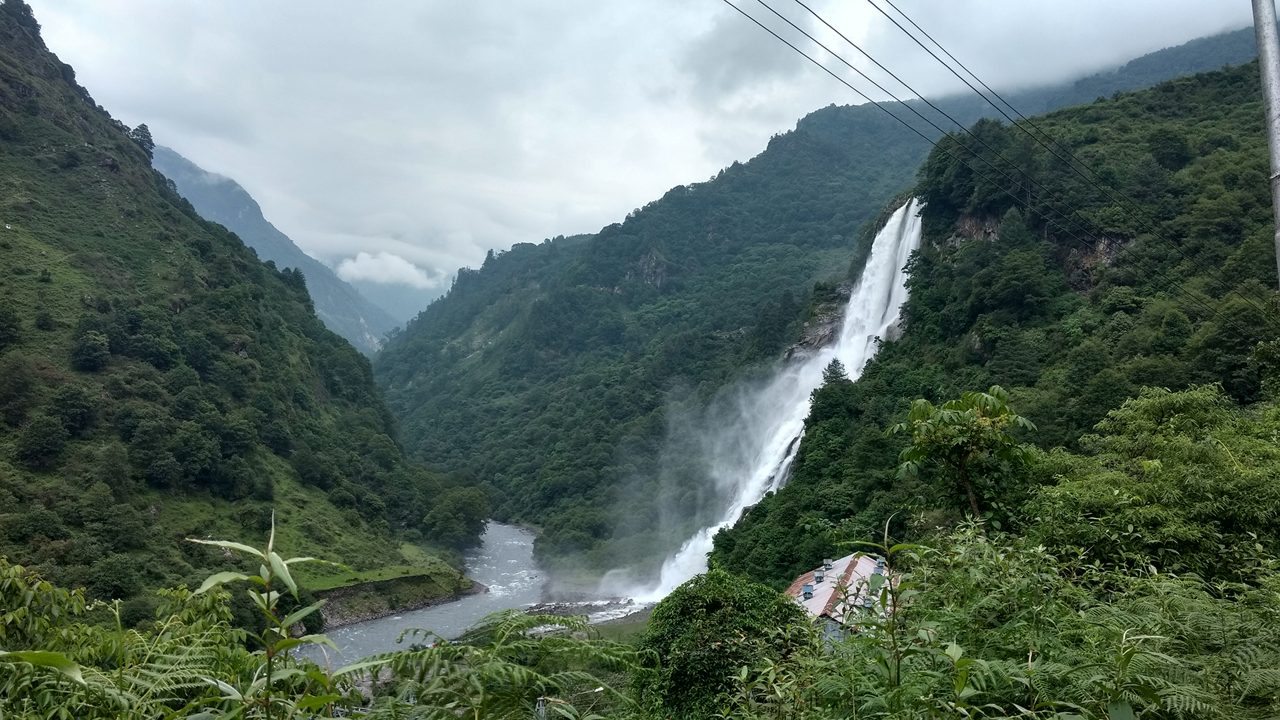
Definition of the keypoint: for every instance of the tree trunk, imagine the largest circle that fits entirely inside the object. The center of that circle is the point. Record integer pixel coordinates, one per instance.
(973, 496)
(967, 484)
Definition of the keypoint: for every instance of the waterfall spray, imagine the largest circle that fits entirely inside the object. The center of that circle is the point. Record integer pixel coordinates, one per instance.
(752, 453)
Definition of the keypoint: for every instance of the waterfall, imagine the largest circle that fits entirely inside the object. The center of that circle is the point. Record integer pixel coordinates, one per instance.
(751, 453)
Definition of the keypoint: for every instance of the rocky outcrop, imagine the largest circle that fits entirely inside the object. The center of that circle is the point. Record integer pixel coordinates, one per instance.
(823, 326)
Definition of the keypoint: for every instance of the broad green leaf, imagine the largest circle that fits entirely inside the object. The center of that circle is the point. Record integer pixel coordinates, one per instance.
(297, 615)
(318, 639)
(316, 702)
(227, 690)
(229, 545)
(217, 579)
(279, 568)
(45, 658)
(361, 666)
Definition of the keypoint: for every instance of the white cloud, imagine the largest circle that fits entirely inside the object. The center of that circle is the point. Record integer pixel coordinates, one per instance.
(435, 129)
(386, 268)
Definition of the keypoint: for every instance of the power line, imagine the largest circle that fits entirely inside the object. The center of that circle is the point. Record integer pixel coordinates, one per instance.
(1065, 216)
(1226, 290)
(1072, 161)
(1172, 285)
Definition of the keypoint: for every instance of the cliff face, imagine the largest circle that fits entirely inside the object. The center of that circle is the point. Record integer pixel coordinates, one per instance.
(823, 325)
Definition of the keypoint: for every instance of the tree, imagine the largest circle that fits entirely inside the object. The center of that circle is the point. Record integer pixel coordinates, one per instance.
(142, 136)
(76, 407)
(18, 384)
(41, 442)
(90, 351)
(704, 632)
(964, 437)
(457, 518)
(834, 372)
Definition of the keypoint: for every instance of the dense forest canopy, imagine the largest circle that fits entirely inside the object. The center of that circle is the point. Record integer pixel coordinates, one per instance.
(1069, 317)
(157, 380)
(552, 374)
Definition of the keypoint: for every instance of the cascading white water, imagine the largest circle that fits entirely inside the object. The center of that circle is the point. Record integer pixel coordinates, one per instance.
(752, 453)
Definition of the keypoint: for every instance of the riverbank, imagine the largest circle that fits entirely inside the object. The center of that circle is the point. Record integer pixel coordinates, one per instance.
(383, 598)
(505, 577)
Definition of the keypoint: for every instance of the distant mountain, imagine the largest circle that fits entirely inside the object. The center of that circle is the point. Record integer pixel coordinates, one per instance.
(1196, 56)
(401, 302)
(342, 308)
(554, 371)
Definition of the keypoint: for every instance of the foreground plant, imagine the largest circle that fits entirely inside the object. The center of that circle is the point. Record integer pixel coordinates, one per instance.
(192, 663)
(280, 685)
(509, 665)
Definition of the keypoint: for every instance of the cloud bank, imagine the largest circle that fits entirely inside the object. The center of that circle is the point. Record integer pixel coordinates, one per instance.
(432, 130)
(386, 268)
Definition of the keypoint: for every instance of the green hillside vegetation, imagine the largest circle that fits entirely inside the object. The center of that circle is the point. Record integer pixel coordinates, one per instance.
(157, 381)
(1001, 296)
(551, 372)
(1135, 580)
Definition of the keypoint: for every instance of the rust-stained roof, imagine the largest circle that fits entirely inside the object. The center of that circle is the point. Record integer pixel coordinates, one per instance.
(843, 584)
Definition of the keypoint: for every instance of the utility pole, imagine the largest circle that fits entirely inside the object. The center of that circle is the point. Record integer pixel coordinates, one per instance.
(1264, 27)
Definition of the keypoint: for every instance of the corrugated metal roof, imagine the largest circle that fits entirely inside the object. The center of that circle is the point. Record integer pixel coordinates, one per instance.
(844, 584)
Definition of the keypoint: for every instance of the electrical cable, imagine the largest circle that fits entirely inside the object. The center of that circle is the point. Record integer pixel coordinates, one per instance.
(1071, 160)
(1169, 284)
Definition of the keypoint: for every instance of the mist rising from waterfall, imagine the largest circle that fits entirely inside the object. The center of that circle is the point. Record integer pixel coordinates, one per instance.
(748, 444)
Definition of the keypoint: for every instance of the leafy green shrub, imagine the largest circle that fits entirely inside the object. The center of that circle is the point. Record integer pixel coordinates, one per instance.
(40, 442)
(90, 351)
(10, 328)
(704, 632)
(76, 406)
(1178, 482)
(18, 384)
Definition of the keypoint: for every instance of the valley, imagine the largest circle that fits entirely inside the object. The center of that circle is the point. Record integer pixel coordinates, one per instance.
(1023, 371)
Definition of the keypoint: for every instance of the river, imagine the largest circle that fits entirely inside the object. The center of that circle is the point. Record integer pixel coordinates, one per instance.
(503, 562)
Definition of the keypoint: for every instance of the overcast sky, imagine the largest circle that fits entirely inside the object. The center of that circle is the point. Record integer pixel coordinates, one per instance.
(407, 138)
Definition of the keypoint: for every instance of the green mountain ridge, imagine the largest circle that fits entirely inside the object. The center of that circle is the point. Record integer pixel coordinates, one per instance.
(159, 382)
(551, 373)
(222, 200)
(1174, 295)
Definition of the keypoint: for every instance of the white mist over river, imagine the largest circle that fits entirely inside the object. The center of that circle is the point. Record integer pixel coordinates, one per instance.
(749, 453)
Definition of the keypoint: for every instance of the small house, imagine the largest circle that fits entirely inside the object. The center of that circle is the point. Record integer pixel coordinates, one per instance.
(837, 590)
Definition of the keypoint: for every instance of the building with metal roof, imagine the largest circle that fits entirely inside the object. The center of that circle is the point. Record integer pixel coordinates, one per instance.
(837, 590)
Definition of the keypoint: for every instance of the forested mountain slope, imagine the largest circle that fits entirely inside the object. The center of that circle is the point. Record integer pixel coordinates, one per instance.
(157, 381)
(342, 308)
(546, 371)
(1173, 289)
